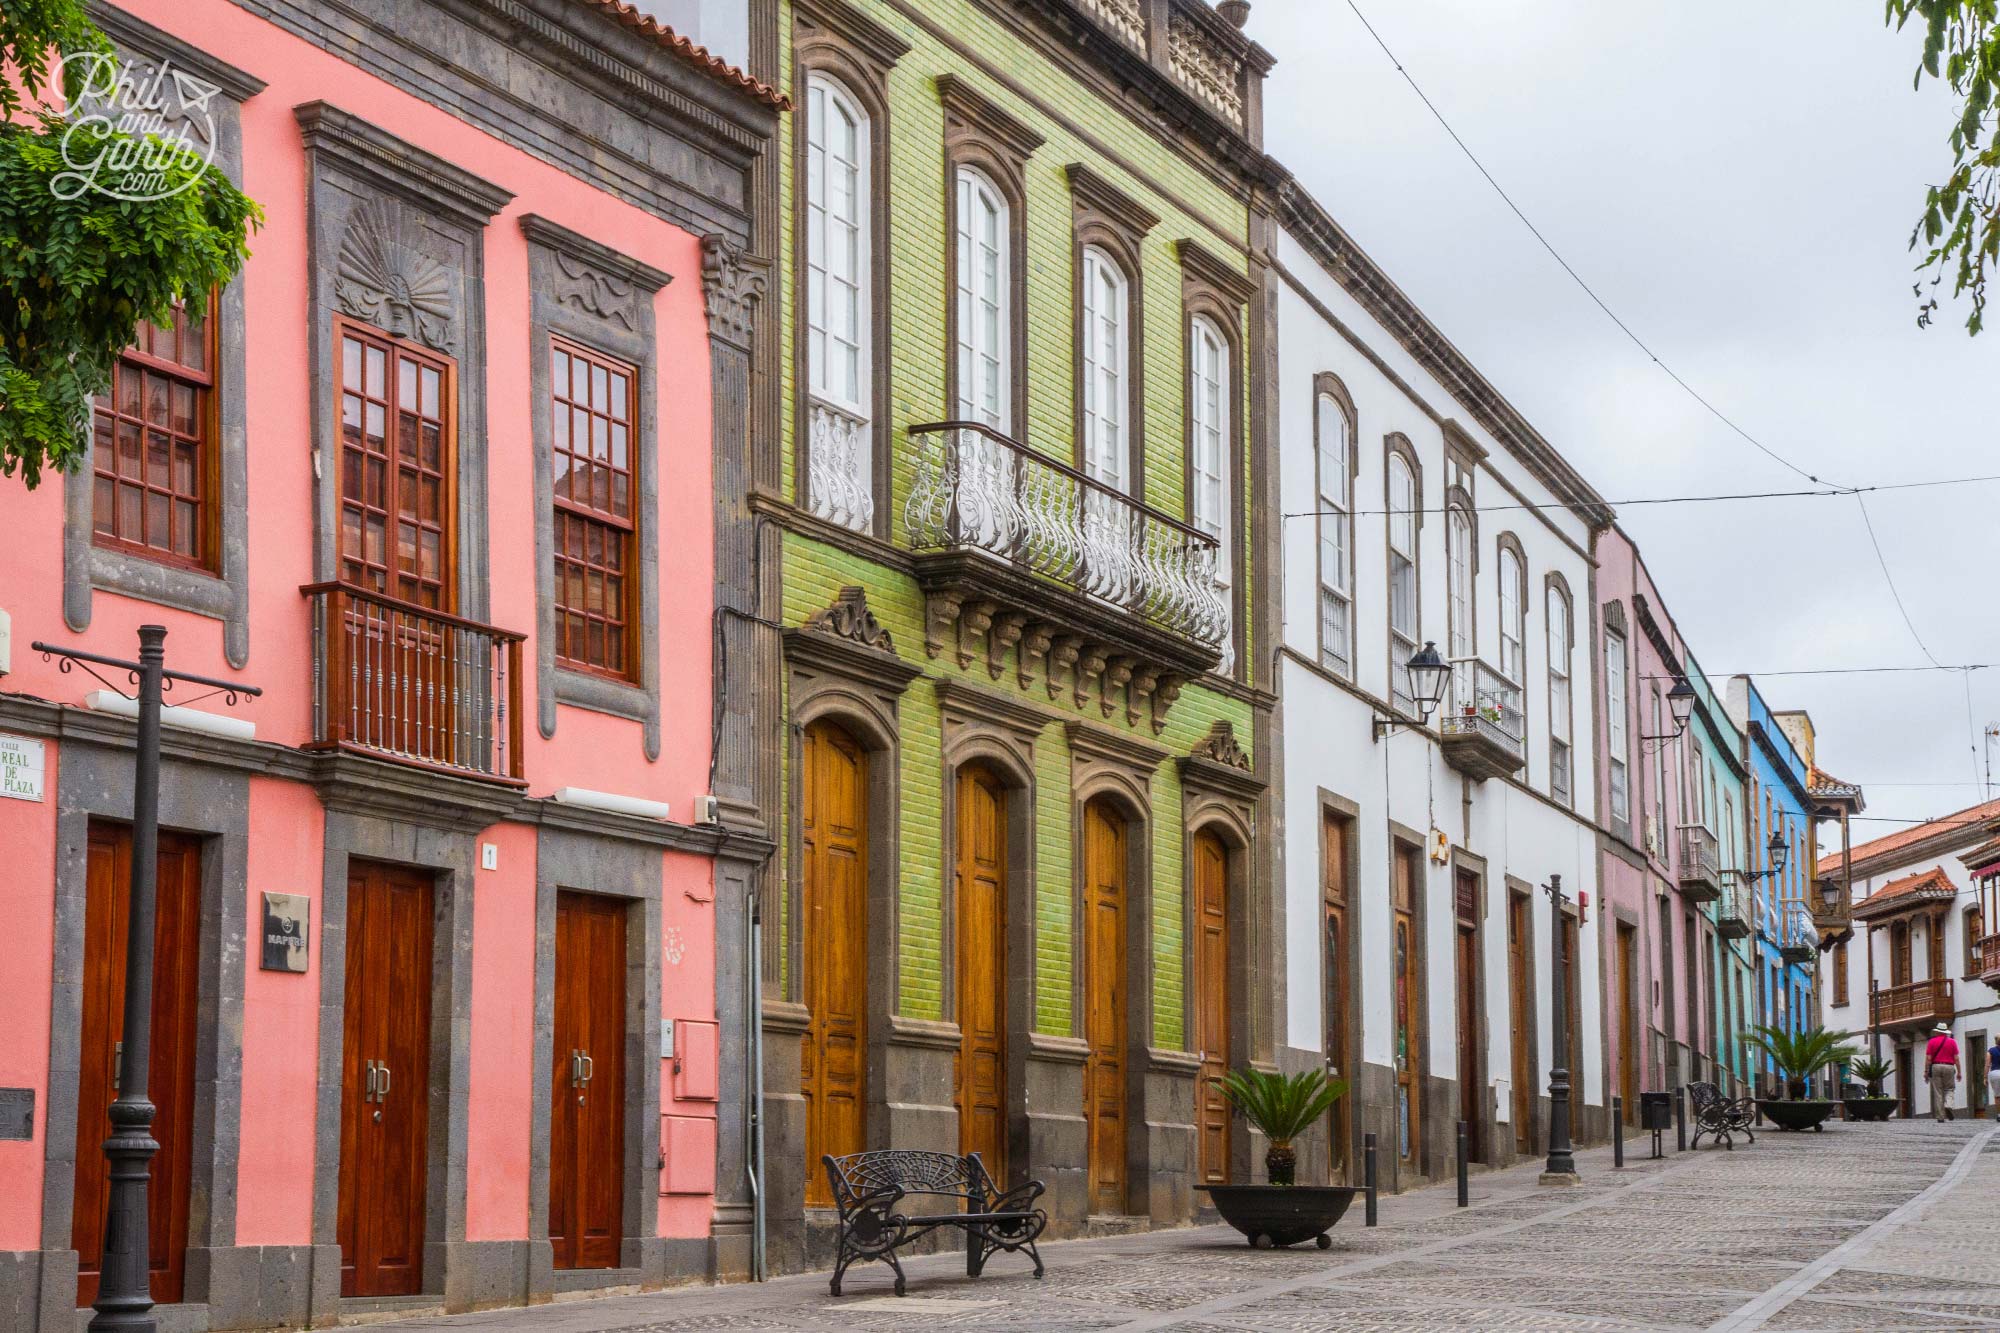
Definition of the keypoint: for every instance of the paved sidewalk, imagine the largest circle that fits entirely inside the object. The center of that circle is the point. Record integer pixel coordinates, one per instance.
(1862, 1227)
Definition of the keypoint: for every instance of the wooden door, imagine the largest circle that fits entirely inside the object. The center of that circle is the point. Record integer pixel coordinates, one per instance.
(1104, 853)
(1628, 1021)
(1906, 1080)
(1407, 1001)
(1334, 990)
(1471, 1087)
(587, 1083)
(1211, 1003)
(169, 1064)
(1521, 1018)
(385, 1080)
(834, 914)
(981, 888)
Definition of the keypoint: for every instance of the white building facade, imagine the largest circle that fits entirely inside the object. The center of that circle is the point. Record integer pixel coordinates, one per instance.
(1418, 507)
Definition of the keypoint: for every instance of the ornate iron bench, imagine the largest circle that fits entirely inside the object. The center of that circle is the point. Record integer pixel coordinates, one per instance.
(1720, 1117)
(870, 1188)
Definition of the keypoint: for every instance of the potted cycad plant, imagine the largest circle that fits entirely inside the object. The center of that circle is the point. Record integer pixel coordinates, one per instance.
(1798, 1055)
(1870, 1069)
(1281, 1107)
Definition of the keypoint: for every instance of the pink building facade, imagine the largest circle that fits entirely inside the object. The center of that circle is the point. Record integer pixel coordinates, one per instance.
(436, 1007)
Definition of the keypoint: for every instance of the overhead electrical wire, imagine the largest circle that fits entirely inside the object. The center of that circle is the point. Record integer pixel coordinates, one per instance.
(1537, 507)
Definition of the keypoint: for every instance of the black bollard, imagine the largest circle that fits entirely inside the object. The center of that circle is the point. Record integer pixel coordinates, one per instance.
(1618, 1132)
(1680, 1120)
(1368, 1175)
(1463, 1197)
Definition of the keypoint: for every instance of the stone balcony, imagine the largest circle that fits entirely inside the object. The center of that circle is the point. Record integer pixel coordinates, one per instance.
(1085, 588)
(1481, 730)
(1700, 864)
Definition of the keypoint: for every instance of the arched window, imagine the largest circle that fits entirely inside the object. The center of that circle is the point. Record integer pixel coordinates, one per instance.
(1403, 624)
(1513, 616)
(1616, 713)
(985, 324)
(1458, 550)
(1106, 366)
(1560, 712)
(1334, 430)
(840, 453)
(1208, 456)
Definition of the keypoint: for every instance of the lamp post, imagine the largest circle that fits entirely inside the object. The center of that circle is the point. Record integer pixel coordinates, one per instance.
(1680, 707)
(124, 1287)
(1429, 674)
(1560, 1169)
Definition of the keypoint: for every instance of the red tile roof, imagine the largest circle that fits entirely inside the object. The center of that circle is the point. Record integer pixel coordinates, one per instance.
(698, 56)
(1900, 895)
(1830, 862)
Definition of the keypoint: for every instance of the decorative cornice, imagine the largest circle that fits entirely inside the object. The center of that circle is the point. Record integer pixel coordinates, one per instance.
(395, 165)
(848, 617)
(136, 35)
(879, 44)
(598, 256)
(846, 640)
(960, 697)
(1091, 190)
(975, 108)
(1221, 746)
(1113, 747)
(1205, 266)
(732, 286)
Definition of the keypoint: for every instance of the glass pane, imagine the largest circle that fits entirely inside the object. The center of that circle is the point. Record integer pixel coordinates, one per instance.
(406, 384)
(159, 458)
(104, 455)
(103, 499)
(184, 421)
(350, 364)
(378, 370)
(621, 396)
(194, 336)
(558, 371)
(156, 399)
(186, 458)
(156, 520)
(433, 390)
(130, 525)
(126, 390)
(185, 532)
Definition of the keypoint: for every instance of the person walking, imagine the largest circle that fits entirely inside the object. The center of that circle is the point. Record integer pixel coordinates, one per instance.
(1941, 1071)
(1993, 1076)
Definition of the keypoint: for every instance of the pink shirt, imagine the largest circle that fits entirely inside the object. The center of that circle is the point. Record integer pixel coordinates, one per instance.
(1941, 1051)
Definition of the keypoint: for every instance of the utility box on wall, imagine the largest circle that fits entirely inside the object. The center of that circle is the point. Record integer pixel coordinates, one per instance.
(687, 1154)
(695, 1060)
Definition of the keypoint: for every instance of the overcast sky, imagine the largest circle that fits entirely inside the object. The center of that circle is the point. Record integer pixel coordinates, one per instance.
(1737, 181)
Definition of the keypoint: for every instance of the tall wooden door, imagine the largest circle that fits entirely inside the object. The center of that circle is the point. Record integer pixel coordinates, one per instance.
(587, 1084)
(1334, 995)
(385, 1080)
(1471, 1087)
(981, 887)
(1521, 1018)
(169, 1064)
(1104, 852)
(834, 913)
(1211, 1003)
(1407, 998)
(1628, 1021)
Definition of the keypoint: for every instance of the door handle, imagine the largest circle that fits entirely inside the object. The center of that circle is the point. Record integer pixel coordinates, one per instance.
(368, 1081)
(589, 1069)
(382, 1066)
(575, 1068)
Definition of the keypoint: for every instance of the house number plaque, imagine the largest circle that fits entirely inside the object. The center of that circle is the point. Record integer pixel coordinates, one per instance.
(285, 918)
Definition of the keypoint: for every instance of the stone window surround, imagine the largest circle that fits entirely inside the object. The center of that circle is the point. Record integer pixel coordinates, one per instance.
(394, 184)
(593, 295)
(1326, 384)
(630, 872)
(94, 783)
(1107, 219)
(981, 135)
(831, 37)
(1614, 623)
(1211, 289)
(221, 592)
(1456, 501)
(1395, 443)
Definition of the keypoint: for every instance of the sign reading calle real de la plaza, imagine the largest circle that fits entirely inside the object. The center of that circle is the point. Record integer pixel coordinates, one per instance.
(22, 765)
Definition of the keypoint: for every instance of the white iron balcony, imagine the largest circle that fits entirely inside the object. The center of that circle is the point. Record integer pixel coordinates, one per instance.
(1481, 729)
(1700, 864)
(1798, 938)
(1734, 907)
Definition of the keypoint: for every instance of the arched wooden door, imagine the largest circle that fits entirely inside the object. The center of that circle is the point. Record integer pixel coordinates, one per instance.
(1211, 1003)
(1104, 862)
(1333, 891)
(981, 905)
(1406, 972)
(834, 954)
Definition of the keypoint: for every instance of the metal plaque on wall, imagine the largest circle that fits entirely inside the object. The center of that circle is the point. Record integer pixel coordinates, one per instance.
(17, 1113)
(285, 919)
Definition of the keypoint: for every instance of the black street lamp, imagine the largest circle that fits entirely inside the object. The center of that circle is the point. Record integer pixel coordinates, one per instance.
(124, 1287)
(1779, 852)
(1680, 706)
(1429, 674)
(1560, 1169)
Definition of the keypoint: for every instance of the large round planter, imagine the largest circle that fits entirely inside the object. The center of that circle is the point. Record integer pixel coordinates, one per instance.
(1282, 1214)
(1796, 1115)
(1870, 1108)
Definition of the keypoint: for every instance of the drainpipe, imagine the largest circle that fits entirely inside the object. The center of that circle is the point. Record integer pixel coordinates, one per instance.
(753, 1170)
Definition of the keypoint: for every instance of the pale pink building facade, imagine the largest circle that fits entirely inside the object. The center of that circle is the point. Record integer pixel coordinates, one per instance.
(475, 391)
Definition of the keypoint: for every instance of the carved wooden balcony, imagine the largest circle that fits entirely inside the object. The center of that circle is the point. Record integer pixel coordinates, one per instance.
(1089, 590)
(1920, 1004)
(1481, 730)
(1735, 907)
(406, 683)
(1700, 864)
(1986, 958)
(1798, 939)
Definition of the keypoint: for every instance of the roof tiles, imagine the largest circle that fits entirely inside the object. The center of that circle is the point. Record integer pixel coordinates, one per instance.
(698, 56)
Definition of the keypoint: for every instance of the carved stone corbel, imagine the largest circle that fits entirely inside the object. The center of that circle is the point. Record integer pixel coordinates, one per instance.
(973, 623)
(1006, 632)
(1062, 661)
(1163, 700)
(1117, 677)
(1139, 694)
(1035, 645)
(1090, 671)
(940, 619)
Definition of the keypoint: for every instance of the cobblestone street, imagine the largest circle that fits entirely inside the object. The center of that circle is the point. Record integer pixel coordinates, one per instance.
(1862, 1227)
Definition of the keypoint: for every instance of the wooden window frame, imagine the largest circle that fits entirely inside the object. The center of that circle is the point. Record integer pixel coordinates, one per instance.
(1327, 388)
(1397, 446)
(1555, 590)
(208, 500)
(632, 609)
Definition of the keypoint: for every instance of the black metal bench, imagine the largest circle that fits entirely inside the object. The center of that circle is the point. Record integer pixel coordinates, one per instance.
(869, 1188)
(1720, 1117)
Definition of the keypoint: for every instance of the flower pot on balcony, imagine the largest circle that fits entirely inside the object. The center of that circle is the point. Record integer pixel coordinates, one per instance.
(1787, 1114)
(1271, 1215)
(1870, 1108)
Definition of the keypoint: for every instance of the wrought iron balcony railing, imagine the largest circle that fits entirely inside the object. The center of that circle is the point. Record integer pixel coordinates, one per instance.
(976, 490)
(1700, 864)
(840, 485)
(1481, 727)
(1920, 1003)
(1798, 938)
(407, 683)
(1735, 907)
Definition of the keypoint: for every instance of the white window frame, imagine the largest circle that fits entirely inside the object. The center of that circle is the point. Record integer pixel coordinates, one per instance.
(1403, 585)
(1513, 570)
(984, 292)
(1105, 369)
(1562, 776)
(1333, 463)
(1209, 438)
(839, 343)
(1461, 638)
(1617, 726)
